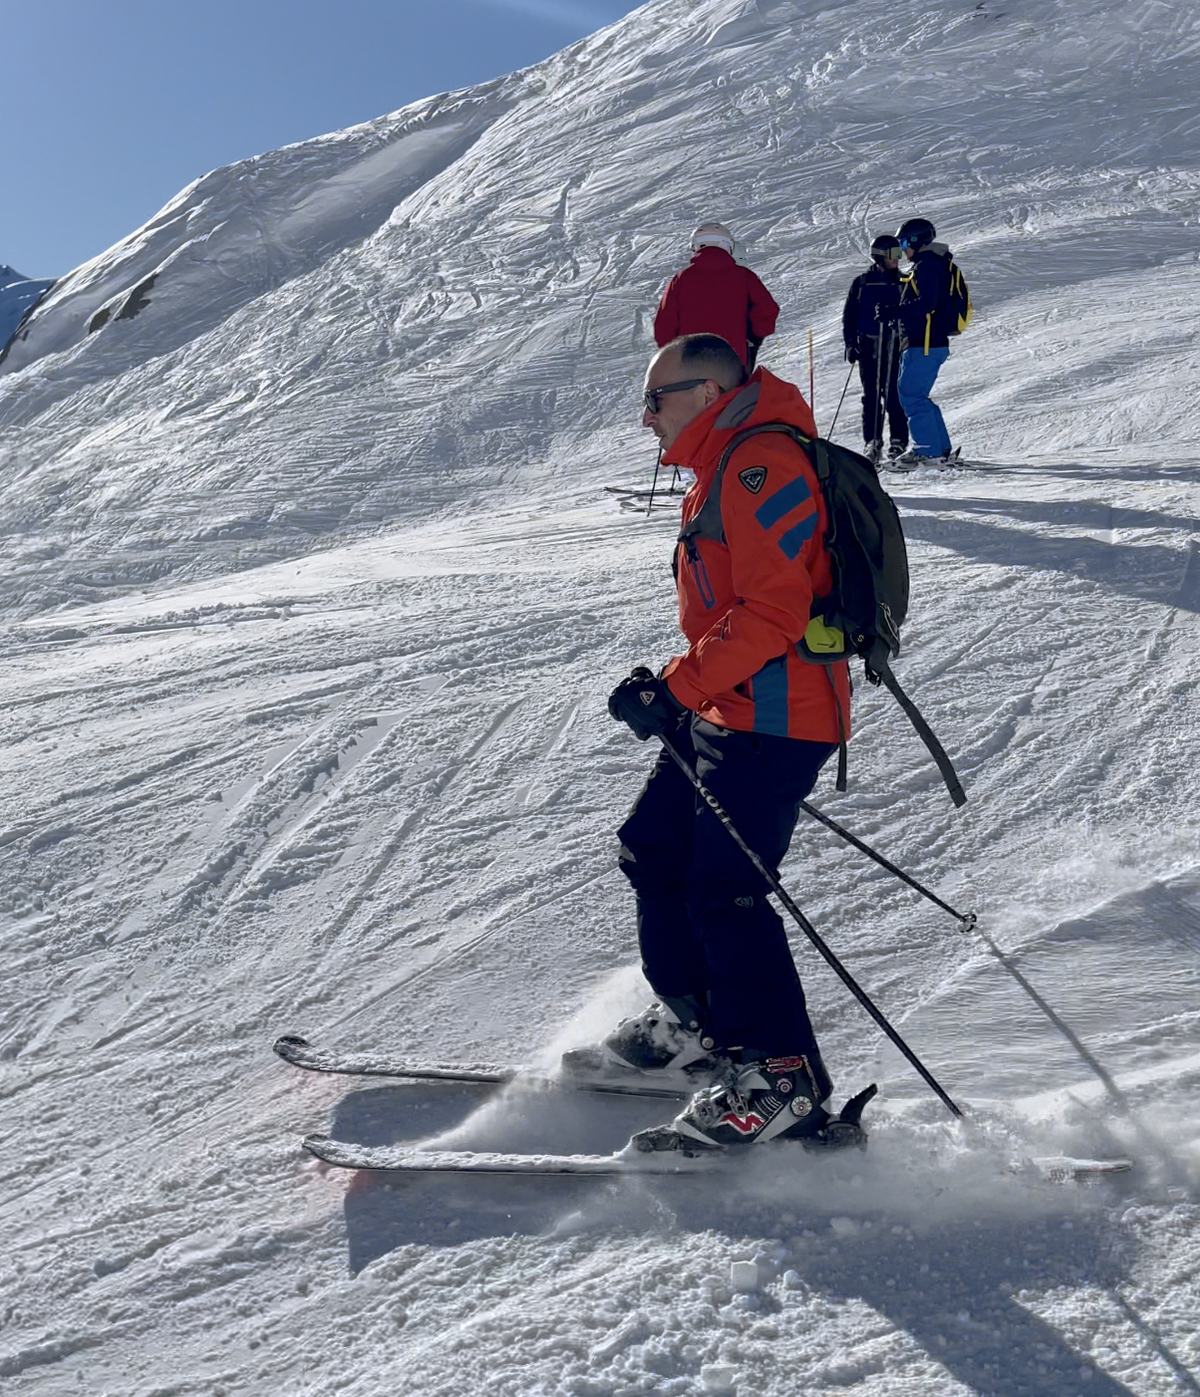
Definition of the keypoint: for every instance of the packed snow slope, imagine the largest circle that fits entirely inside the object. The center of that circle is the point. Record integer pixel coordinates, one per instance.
(311, 599)
(454, 301)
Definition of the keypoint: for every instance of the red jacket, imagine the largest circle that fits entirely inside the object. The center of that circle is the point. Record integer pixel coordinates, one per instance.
(714, 296)
(746, 601)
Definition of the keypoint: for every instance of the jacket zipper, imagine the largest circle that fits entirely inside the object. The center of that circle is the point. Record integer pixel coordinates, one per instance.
(700, 573)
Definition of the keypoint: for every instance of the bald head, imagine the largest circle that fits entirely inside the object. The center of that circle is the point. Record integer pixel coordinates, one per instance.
(685, 377)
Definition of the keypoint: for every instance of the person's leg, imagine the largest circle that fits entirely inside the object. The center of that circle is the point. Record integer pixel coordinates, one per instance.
(868, 372)
(755, 999)
(918, 372)
(655, 853)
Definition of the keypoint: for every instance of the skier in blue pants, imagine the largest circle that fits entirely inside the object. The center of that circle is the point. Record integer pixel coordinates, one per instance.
(924, 315)
(926, 426)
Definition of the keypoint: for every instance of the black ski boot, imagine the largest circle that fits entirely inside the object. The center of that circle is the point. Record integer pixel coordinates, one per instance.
(773, 1099)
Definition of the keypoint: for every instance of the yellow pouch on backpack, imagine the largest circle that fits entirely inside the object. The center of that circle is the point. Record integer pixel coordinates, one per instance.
(822, 639)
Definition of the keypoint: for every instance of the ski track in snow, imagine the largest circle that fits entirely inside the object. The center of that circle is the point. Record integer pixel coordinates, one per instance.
(312, 596)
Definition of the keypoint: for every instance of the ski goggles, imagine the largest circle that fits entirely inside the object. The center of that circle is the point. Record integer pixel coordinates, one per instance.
(651, 396)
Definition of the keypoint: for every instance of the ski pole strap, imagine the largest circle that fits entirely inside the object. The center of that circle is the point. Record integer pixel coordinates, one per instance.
(967, 920)
(881, 670)
(808, 929)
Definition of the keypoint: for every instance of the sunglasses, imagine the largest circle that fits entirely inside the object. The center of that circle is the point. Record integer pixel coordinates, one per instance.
(651, 396)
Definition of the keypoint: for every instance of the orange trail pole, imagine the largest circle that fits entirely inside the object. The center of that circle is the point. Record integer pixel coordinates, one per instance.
(812, 392)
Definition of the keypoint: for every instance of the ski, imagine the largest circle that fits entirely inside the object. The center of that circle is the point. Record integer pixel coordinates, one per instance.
(1061, 1169)
(640, 492)
(660, 1150)
(299, 1052)
(639, 500)
(407, 1159)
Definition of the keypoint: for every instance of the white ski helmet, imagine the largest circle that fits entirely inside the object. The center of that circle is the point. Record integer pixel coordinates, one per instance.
(712, 235)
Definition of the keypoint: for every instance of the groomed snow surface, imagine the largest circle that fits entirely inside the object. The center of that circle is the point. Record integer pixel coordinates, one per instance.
(312, 597)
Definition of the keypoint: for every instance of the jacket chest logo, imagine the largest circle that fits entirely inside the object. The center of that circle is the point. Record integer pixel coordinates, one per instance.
(754, 478)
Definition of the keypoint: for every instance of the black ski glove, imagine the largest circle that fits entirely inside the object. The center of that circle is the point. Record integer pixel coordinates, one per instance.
(851, 354)
(887, 315)
(646, 704)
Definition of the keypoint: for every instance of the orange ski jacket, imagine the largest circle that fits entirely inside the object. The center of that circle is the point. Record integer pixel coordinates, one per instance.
(746, 601)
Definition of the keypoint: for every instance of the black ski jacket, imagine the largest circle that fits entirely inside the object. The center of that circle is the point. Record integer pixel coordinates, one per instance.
(925, 313)
(874, 289)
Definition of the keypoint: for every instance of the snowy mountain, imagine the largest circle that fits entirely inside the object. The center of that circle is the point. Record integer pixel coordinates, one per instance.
(312, 596)
(18, 296)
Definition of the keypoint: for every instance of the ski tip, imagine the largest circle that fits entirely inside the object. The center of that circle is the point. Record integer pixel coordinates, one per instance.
(319, 1145)
(288, 1044)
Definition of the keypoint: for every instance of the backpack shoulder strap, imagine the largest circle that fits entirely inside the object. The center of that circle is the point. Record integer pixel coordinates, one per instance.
(707, 523)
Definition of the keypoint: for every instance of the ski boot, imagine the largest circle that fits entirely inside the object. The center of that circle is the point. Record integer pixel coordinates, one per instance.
(896, 449)
(775, 1099)
(665, 1041)
(873, 451)
(914, 460)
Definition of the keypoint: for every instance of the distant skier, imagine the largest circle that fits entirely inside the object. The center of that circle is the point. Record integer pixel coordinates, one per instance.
(713, 295)
(925, 315)
(757, 723)
(873, 345)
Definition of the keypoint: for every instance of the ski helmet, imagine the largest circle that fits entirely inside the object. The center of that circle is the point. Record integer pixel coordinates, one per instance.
(712, 235)
(885, 246)
(916, 233)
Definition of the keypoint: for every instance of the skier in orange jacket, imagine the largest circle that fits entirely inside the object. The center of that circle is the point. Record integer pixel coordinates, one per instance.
(757, 723)
(714, 295)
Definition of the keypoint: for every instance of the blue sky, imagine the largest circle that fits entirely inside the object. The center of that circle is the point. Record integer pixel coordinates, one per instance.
(109, 107)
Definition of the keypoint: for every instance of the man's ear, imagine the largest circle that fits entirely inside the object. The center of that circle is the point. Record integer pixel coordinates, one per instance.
(712, 391)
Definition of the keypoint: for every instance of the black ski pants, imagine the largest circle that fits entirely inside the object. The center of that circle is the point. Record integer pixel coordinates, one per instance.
(872, 368)
(704, 923)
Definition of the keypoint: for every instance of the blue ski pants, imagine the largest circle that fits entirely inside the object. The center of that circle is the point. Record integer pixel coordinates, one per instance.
(927, 430)
(704, 923)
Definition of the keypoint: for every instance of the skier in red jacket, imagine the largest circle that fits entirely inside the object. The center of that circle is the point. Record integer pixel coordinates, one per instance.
(714, 296)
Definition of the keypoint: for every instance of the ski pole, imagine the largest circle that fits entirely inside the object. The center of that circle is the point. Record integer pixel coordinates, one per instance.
(887, 378)
(812, 375)
(654, 482)
(967, 920)
(807, 928)
(841, 400)
(880, 391)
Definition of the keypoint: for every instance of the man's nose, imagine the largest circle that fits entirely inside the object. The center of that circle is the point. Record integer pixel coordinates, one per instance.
(647, 418)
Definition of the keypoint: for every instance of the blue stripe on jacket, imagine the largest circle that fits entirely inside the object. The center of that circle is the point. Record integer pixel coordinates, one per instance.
(770, 688)
(797, 536)
(783, 501)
